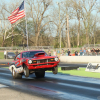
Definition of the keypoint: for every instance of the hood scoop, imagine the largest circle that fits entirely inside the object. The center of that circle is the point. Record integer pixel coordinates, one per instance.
(40, 54)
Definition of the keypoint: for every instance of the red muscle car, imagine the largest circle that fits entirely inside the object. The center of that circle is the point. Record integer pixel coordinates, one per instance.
(35, 61)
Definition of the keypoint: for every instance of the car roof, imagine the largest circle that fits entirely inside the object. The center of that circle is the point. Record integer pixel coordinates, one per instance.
(31, 51)
(10, 52)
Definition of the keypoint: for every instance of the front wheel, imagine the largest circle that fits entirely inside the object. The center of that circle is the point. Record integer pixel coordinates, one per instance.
(16, 75)
(40, 74)
(55, 70)
(26, 71)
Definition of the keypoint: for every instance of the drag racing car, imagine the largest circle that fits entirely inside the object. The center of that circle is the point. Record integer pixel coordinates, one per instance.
(35, 61)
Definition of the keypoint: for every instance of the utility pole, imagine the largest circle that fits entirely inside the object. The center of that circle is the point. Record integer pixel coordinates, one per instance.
(78, 36)
(68, 31)
(59, 27)
(12, 35)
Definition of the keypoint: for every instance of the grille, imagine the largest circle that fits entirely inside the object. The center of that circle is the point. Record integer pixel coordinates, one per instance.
(45, 60)
(42, 61)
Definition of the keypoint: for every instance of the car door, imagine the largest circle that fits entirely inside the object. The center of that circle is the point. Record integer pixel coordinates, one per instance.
(17, 60)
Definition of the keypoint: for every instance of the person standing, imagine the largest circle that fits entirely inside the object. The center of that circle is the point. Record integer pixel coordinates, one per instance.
(5, 54)
(81, 52)
(16, 52)
(68, 52)
(84, 51)
(62, 53)
(49, 52)
(55, 53)
(76, 53)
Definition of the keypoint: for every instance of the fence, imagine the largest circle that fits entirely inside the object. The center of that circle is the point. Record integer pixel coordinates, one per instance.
(91, 45)
(51, 48)
(29, 48)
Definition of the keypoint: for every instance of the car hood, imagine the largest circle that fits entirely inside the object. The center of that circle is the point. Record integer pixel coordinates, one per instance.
(41, 55)
(44, 57)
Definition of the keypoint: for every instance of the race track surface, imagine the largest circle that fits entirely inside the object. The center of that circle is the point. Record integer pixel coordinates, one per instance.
(58, 87)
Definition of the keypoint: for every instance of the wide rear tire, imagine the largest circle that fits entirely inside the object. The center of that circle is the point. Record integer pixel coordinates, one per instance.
(40, 74)
(16, 75)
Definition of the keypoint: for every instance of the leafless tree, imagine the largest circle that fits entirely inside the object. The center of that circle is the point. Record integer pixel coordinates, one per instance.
(38, 14)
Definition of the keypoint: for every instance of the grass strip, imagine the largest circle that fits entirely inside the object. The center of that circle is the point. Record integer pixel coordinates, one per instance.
(80, 72)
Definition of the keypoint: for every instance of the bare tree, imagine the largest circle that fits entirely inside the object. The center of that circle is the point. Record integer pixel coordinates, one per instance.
(6, 26)
(87, 8)
(38, 10)
(77, 12)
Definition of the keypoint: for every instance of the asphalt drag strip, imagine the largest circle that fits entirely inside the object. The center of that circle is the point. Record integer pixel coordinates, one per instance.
(60, 87)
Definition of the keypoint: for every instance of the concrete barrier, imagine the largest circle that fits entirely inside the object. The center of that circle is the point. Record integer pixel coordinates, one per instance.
(79, 59)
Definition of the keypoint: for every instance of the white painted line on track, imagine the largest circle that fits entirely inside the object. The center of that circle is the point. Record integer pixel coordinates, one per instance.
(76, 86)
(2, 86)
(71, 96)
(2, 68)
(5, 74)
(74, 78)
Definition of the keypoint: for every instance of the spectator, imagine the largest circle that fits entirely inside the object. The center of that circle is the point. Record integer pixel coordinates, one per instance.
(93, 51)
(89, 51)
(68, 52)
(81, 52)
(97, 51)
(55, 53)
(5, 54)
(49, 52)
(16, 52)
(76, 53)
(84, 51)
(58, 52)
(62, 53)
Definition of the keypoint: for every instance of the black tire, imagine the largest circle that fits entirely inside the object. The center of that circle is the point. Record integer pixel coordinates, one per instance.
(55, 70)
(16, 75)
(40, 74)
(26, 71)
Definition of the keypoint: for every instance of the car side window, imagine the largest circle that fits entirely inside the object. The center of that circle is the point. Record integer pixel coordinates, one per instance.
(18, 56)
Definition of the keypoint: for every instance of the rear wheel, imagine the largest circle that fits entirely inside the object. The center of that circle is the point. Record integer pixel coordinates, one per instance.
(40, 74)
(26, 71)
(16, 75)
(55, 70)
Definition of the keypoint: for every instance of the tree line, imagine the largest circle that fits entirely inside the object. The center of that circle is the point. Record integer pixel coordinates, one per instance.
(76, 22)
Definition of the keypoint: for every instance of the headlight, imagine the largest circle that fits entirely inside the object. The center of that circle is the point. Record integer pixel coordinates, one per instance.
(30, 61)
(56, 59)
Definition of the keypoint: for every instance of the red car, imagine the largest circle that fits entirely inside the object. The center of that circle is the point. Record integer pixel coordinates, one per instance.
(36, 61)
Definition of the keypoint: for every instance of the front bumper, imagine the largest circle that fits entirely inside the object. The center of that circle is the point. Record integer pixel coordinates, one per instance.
(42, 65)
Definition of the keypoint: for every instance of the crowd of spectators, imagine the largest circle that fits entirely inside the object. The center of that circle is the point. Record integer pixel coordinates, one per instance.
(88, 52)
(81, 52)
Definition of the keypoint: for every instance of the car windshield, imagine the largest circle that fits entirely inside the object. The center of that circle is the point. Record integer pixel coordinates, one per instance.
(30, 54)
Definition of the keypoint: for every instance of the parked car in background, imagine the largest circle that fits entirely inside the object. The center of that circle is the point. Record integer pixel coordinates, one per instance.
(36, 61)
(10, 55)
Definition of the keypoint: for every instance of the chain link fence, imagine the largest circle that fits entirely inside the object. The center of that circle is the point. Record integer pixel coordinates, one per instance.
(52, 49)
